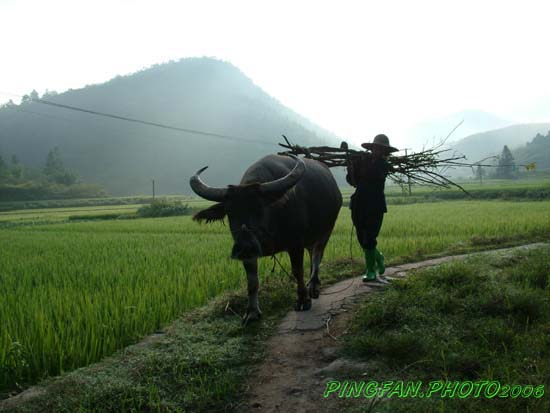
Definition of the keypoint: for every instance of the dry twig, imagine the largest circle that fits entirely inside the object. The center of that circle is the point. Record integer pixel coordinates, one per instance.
(421, 168)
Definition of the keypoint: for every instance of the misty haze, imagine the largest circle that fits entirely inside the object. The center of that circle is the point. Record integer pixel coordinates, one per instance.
(274, 206)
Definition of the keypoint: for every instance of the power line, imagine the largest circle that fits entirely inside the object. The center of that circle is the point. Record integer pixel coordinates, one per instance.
(155, 124)
(40, 114)
(116, 132)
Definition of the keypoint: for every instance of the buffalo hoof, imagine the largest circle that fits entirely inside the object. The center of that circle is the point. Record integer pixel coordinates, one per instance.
(314, 290)
(303, 304)
(251, 316)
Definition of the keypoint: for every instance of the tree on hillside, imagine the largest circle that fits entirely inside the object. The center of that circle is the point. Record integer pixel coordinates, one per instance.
(56, 172)
(54, 164)
(506, 168)
(3, 168)
(8, 104)
(16, 167)
(539, 139)
(49, 93)
(10, 173)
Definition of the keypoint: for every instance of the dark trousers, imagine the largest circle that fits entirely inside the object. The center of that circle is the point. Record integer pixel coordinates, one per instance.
(367, 226)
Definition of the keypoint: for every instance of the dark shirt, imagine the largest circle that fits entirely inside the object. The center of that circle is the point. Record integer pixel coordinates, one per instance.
(368, 175)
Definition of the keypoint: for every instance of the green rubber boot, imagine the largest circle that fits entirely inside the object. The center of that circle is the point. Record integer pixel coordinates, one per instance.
(370, 263)
(379, 262)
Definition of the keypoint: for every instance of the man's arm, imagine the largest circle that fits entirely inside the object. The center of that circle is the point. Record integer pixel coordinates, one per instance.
(351, 176)
(385, 165)
(389, 165)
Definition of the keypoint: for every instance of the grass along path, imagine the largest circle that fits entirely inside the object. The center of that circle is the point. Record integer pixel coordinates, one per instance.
(485, 319)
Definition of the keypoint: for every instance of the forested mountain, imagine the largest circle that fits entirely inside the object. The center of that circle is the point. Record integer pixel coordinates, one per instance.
(197, 93)
(538, 151)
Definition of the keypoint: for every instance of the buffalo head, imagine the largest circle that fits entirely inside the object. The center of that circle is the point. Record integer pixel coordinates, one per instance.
(246, 207)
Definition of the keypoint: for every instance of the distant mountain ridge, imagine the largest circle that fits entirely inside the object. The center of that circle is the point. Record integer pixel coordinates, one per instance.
(472, 121)
(197, 93)
(484, 144)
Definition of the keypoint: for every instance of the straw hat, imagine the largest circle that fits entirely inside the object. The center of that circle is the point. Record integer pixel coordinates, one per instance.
(380, 140)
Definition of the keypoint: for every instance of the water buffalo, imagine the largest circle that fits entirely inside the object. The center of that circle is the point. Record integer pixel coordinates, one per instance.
(283, 203)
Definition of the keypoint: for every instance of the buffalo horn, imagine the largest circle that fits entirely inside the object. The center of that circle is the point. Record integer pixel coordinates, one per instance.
(205, 191)
(286, 182)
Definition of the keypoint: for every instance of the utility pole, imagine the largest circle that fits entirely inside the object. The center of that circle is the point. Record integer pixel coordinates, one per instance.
(480, 165)
(153, 189)
(480, 173)
(408, 177)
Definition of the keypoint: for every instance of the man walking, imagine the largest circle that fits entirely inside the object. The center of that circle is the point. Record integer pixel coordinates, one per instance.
(368, 203)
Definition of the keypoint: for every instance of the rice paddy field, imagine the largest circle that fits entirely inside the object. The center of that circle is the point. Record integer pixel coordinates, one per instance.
(49, 215)
(74, 292)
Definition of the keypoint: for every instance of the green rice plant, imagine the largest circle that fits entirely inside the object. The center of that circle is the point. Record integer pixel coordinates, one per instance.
(72, 293)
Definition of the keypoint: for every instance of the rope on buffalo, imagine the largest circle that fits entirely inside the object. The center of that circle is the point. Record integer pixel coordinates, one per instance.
(290, 276)
(351, 242)
(339, 291)
(351, 259)
(274, 257)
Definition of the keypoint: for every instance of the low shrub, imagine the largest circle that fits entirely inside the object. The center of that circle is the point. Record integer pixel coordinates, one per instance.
(164, 208)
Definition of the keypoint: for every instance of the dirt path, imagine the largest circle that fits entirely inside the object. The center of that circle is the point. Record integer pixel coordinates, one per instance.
(302, 355)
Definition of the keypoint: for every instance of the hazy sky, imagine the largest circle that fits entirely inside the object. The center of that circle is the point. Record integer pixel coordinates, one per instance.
(356, 68)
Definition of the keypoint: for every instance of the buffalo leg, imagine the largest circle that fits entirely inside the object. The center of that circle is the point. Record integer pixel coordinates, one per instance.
(297, 261)
(253, 311)
(311, 267)
(316, 255)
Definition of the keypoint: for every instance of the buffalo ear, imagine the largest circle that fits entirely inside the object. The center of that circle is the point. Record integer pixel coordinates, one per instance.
(215, 213)
(276, 197)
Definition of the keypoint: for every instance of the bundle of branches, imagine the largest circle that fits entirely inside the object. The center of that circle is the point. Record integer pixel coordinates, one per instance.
(421, 168)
